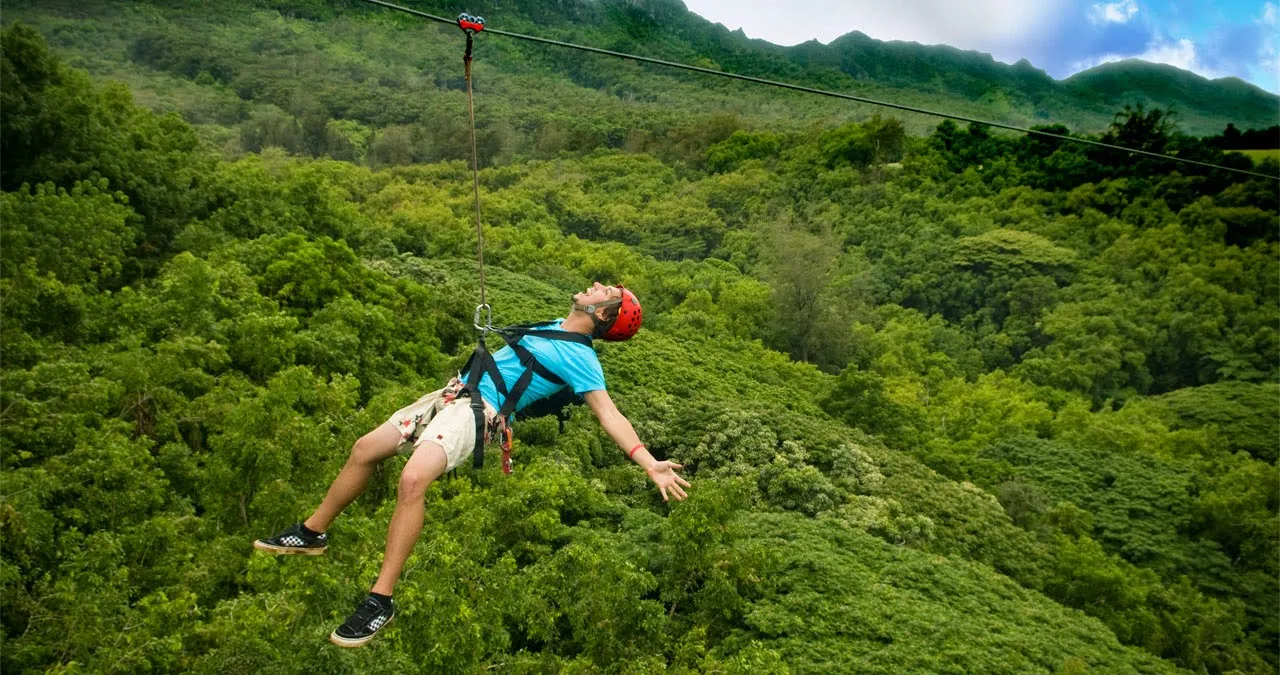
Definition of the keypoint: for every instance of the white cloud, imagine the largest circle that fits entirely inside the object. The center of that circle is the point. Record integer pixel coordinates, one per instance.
(1092, 61)
(988, 25)
(1113, 12)
(1180, 54)
(1267, 70)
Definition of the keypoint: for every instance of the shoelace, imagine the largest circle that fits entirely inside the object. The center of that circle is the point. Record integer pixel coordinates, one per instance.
(367, 611)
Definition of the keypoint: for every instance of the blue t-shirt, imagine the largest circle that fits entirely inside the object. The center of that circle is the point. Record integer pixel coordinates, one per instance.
(574, 363)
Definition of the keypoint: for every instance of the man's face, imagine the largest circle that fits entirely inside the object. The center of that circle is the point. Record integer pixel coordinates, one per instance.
(597, 294)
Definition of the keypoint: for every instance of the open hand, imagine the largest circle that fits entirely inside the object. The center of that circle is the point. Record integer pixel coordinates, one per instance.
(664, 476)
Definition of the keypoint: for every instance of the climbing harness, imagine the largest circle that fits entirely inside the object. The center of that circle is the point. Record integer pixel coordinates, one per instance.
(482, 363)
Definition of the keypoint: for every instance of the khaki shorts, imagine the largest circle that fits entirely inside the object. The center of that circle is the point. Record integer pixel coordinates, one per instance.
(442, 419)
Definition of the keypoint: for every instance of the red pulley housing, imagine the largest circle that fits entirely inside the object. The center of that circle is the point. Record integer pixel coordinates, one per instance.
(471, 24)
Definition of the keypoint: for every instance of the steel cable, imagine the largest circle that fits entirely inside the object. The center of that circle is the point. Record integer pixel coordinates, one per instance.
(824, 92)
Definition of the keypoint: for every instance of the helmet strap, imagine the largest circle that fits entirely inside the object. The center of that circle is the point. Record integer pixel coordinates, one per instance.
(599, 326)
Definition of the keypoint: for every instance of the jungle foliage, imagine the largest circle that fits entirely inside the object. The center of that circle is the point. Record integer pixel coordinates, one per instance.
(955, 403)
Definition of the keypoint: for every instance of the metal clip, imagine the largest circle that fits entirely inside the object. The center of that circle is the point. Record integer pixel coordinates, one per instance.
(488, 317)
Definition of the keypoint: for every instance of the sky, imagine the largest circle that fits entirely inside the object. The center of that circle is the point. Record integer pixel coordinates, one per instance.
(1214, 38)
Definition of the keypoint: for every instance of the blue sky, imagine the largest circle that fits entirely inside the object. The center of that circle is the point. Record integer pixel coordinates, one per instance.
(1214, 38)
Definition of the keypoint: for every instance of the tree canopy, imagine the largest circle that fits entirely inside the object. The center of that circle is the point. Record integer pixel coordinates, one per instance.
(958, 402)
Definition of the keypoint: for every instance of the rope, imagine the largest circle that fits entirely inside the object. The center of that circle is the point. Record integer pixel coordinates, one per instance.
(475, 187)
(824, 92)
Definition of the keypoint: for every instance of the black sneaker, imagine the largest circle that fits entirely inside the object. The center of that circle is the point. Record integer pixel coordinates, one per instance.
(294, 540)
(369, 618)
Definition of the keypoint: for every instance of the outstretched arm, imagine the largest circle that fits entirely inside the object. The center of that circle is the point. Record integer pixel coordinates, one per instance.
(620, 430)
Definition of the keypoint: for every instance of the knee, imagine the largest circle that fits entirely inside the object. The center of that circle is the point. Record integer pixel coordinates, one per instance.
(414, 482)
(365, 451)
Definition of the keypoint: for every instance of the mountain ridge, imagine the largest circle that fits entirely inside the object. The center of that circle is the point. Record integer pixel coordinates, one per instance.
(939, 77)
(1022, 64)
(1026, 74)
(861, 58)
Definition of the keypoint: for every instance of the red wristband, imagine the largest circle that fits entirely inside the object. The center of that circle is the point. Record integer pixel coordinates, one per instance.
(632, 451)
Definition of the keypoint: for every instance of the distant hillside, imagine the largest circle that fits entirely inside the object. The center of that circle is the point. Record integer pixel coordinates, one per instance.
(406, 71)
(1196, 100)
(854, 62)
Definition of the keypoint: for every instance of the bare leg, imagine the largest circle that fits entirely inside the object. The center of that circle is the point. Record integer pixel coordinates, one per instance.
(366, 454)
(423, 468)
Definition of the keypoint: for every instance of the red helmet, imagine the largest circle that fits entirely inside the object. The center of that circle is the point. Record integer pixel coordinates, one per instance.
(629, 318)
(624, 325)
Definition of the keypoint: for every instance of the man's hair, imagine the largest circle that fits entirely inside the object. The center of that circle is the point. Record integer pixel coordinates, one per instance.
(610, 316)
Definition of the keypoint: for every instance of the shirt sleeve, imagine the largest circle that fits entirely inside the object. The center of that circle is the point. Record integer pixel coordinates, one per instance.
(583, 373)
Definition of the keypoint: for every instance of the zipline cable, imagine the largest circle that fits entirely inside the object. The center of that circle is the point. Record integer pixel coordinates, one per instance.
(822, 92)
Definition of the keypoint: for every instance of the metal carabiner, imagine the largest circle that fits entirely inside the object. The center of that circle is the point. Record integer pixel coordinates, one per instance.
(488, 318)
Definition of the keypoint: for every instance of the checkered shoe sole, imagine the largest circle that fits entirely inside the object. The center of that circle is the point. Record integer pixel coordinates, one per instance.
(288, 550)
(377, 626)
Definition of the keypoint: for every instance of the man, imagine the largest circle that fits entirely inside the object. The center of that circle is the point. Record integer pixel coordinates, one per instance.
(441, 429)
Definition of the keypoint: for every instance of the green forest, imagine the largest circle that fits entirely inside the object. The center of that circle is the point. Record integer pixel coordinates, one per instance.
(950, 400)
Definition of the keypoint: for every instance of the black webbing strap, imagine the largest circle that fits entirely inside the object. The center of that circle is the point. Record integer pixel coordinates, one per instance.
(482, 362)
(477, 409)
(530, 364)
(542, 332)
